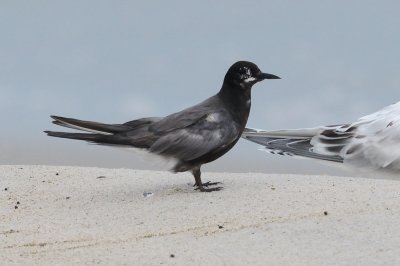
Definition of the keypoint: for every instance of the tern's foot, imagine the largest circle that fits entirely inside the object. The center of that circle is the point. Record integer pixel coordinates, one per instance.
(207, 184)
(202, 189)
(205, 187)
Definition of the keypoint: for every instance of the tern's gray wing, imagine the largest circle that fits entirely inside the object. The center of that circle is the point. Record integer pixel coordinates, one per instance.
(295, 142)
(372, 142)
(187, 116)
(208, 134)
(377, 141)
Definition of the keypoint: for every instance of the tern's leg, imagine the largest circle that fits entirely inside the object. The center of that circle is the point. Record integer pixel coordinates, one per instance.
(200, 186)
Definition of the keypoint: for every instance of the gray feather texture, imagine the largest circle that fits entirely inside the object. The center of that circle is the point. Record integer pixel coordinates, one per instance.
(372, 142)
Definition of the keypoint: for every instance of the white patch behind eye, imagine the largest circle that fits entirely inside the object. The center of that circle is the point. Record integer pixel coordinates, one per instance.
(250, 79)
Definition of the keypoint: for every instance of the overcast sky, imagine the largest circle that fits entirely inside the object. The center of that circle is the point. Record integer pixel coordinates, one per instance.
(114, 61)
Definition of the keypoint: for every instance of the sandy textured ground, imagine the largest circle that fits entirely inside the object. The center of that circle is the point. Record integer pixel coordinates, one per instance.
(68, 215)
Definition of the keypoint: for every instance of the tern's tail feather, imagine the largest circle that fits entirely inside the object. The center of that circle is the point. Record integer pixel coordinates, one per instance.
(89, 126)
(113, 140)
(297, 142)
(80, 136)
(134, 133)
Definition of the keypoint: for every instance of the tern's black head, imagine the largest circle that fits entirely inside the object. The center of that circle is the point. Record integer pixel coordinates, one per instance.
(246, 74)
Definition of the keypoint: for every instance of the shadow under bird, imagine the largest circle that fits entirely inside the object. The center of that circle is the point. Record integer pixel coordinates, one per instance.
(370, 143)
(192, 137)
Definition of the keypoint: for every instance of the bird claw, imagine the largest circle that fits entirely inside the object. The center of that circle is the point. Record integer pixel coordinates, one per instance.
(207, 184)
(202, 189)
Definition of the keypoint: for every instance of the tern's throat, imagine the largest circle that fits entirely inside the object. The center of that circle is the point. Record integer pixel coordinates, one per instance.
(237, 100)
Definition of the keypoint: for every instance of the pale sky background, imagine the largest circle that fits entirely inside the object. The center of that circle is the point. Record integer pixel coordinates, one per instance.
(114, 61)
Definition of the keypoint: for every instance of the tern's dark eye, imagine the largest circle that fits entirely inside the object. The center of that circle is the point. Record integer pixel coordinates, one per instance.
(245, 72)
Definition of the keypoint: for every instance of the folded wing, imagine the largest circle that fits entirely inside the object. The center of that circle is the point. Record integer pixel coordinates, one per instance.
(372, 142)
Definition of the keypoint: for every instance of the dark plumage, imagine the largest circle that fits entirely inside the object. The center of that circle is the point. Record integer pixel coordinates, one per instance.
(194, 136)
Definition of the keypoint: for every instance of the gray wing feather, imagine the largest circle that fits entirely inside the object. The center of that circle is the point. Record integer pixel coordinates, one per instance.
(197, 139)
(291, 147)
(301, 142)
(187, 116)
(372, 142)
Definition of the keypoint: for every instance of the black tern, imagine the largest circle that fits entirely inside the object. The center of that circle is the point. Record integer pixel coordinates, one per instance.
(370, 143)
(194, 136)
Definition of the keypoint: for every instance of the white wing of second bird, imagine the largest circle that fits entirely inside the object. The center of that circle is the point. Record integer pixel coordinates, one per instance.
(372, 142)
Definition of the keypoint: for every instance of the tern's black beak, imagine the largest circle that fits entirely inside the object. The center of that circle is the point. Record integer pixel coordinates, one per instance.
(262, 76)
